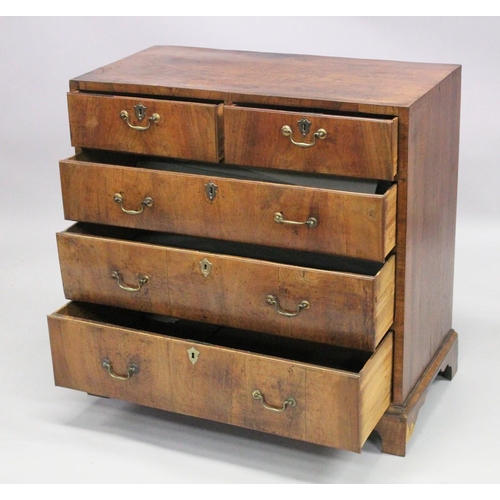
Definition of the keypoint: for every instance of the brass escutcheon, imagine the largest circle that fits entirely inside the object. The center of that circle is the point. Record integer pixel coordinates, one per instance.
(193, 355)
(206, 267)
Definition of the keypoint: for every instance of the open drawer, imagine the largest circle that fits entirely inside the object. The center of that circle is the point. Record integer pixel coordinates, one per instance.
(294, 294)
(275, 208)
(316, 393)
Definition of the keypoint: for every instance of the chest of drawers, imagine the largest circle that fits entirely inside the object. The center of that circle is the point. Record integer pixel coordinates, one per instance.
(262, 240)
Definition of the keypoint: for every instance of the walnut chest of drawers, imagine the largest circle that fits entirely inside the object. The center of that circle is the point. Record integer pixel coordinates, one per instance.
(263, 240)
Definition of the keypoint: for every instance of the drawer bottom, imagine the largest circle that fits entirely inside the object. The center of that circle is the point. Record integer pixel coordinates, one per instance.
(301, 390)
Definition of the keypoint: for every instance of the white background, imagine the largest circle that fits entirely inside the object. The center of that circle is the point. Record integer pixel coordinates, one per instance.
(54, 435)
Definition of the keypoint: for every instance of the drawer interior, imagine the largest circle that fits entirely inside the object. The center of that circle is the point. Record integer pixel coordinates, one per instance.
(328, 356)
(318, 181)
(264, 253)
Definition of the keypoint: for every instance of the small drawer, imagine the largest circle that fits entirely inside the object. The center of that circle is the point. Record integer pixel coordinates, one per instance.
(99, 188)
(284, 292)
(311, 142)
(319, 394)
(146, 126)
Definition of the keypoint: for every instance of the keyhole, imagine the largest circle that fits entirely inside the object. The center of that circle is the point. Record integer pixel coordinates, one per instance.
(193, 355)
(211, 190)
(304, 126)
(205, 267)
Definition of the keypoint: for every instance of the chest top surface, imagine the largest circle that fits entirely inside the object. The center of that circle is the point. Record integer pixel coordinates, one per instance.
(233, 76)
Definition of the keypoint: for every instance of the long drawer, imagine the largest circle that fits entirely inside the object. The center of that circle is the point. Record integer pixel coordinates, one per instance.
(324, 395)
(292, 294)
(147, 126)
(97, 188)
(353, 146)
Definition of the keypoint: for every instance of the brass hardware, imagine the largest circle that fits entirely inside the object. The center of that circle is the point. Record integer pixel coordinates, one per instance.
(193, 355)
(211, 190)
(288, 402)
(146, 202)
(142, 279)
(304, 126)
(319, 134)
(106, 364)
(273, 301)
(311, 222)
(206, 267)
(140, 111)
(154, 118)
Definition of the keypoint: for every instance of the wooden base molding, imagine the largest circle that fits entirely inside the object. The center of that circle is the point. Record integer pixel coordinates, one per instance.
(397, 424)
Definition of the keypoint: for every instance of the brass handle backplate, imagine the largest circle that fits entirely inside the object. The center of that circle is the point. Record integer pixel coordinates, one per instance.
(154, 118)
(311, 222)
(146, 202)
(288, 402)
(286, 130)
(142, 280)
(273, 301)
(106, 364)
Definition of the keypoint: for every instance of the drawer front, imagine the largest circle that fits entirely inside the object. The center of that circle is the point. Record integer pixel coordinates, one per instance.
(333, 307)
(343, 223)
(320, 405)
(348, 146)
(169, 128)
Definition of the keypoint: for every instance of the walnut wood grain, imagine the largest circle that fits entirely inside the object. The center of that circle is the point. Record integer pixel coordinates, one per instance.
(333, 407)
(425, 247)
(271, 79)
(79, 348)
(350, 224)
(184, 130)
(345, 309)
(254, 137)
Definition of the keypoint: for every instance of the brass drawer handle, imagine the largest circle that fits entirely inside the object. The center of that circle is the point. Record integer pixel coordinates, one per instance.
(311, 222)
(106, 364)
(146, 202)
(142, 278)
(286, 130)
(288, 402)
(154, 118)
(273, 301)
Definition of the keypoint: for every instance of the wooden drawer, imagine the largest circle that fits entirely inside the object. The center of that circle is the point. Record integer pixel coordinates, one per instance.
(353, 146)
(293, 294)
(97, 188)
(334, 397)
(182, 129)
